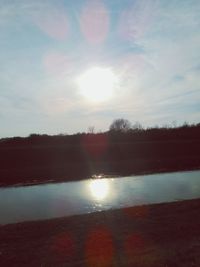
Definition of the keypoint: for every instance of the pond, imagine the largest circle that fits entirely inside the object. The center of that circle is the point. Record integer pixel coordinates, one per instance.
(38, 202)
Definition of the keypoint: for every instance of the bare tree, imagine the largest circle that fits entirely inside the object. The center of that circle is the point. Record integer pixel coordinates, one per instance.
(137, 126)
(120, 125)
(91, 129)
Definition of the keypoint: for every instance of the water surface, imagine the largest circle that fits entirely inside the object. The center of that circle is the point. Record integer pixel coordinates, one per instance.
(45, 201)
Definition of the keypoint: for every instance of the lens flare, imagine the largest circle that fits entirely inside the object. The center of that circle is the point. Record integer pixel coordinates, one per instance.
(99, 250)
(94, 22)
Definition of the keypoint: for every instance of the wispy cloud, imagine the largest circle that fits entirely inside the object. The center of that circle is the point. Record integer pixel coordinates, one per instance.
(153, 47)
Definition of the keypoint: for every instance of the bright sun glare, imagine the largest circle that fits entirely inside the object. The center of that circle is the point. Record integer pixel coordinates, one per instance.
(97, 84)
(99, 188)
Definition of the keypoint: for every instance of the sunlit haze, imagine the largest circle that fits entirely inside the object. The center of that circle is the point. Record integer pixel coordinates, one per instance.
(67, 65)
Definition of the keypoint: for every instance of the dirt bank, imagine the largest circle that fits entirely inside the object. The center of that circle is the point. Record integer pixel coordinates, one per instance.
(152, 235)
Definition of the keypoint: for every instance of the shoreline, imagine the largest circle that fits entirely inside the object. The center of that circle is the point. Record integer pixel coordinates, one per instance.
(63, 180)
(166, 234)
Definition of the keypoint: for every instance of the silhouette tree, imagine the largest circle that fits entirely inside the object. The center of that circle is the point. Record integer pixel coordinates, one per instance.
(137, 126)
(91, 129)
(120, 125)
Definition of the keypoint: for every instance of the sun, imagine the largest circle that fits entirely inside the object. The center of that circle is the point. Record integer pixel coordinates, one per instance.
(97, 84)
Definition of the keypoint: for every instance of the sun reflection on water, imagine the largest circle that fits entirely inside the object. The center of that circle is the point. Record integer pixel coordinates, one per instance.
(99, 188)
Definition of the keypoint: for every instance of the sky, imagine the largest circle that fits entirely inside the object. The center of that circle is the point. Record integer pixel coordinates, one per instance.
(151, 48)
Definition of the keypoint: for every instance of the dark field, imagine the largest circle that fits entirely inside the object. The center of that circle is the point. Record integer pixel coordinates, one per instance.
(166, 235)
(40, 158)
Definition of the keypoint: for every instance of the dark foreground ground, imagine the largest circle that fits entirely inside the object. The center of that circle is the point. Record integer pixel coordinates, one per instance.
(166, 235)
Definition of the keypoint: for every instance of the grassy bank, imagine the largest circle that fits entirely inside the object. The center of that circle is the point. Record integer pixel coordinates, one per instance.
(147, 236)
(40, 158)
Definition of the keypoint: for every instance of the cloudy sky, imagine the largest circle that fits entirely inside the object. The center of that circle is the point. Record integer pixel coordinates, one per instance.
(147, 50)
